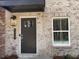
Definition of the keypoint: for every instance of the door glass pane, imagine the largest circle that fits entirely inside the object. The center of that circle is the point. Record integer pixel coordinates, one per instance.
(64, 24)
(56, 36)
(56, 24)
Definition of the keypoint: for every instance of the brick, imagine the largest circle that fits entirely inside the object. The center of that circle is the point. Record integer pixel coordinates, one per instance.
(2, 31)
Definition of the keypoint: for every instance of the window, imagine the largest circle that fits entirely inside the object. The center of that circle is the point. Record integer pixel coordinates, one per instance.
(61, 32)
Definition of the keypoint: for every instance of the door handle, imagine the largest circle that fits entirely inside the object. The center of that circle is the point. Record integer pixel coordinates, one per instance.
(21, 35)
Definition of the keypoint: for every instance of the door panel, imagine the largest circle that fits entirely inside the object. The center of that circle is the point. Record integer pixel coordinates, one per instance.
(28, 35)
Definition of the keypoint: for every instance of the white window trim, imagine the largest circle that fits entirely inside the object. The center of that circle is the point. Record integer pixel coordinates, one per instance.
(61, 44)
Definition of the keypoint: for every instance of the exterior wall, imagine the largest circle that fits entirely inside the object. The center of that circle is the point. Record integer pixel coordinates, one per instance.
(9, 34)
(43, 44)
(70, 9)
(2, 32)
(54, 8)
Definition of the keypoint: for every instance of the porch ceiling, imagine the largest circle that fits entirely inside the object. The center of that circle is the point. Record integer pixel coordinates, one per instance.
(23, 5)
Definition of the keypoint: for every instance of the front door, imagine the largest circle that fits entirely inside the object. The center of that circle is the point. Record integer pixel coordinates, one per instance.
(28, 35)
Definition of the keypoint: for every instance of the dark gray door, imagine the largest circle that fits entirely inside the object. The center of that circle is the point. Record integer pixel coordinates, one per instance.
(28, 35)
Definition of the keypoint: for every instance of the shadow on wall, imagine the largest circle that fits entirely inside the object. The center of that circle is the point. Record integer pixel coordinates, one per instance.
(66, 57)
(37, 57)
(2, 32)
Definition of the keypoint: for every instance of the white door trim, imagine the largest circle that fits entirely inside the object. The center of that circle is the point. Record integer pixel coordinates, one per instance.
(19, 47)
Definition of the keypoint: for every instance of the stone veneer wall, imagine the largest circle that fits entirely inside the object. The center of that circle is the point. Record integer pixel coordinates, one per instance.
(53, 8)
(43, 44)
(64, 8)
(9, 34)
(2, 32)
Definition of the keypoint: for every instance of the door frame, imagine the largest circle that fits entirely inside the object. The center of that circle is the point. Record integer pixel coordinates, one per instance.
(23, 55)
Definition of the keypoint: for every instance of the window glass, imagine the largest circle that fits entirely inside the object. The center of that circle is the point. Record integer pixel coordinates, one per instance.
(56, 36)
(56, 24)
(64, 24)
(65, 36)
(60, 36)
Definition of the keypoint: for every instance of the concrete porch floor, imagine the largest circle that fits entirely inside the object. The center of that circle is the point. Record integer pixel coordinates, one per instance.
(38, 57)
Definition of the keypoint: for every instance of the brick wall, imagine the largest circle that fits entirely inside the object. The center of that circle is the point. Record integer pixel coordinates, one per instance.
(2, 32)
